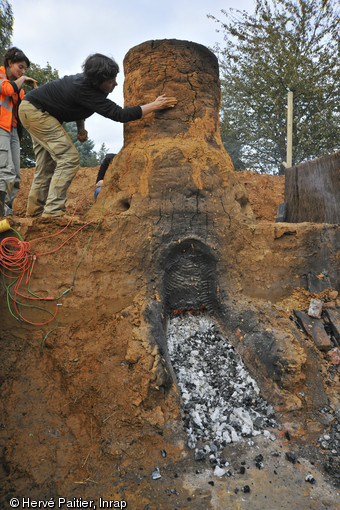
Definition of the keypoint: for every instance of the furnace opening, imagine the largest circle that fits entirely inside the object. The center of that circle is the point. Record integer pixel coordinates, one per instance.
(190, 281)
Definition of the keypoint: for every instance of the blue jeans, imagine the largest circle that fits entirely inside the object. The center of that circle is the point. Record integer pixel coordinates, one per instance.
(97, 192)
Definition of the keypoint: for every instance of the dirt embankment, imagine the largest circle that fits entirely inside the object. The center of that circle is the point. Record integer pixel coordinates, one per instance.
(73, 425)
(265, 192)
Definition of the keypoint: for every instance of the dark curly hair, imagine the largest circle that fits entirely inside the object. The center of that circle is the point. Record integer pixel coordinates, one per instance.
(98, 68)
(15, 55)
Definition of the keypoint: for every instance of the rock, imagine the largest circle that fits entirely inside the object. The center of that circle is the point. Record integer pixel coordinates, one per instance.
(199, 454)
(219, 471)
(291, 457)
(334, 356)
(315, 308)
(156, 474)
(333, 294)
(310, 479)
(329, 305)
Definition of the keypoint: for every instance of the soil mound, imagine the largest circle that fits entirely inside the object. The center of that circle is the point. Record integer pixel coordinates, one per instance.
(265, 192)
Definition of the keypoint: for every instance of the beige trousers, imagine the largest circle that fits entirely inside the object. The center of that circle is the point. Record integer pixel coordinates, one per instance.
(57, 161)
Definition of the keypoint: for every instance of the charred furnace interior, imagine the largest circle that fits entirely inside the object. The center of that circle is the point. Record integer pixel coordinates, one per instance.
(190, 278)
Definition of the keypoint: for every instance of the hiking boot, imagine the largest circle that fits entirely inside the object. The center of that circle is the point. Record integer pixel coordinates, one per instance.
(57, 214)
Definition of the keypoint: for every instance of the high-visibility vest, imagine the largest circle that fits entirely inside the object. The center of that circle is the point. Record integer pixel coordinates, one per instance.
(8, 100)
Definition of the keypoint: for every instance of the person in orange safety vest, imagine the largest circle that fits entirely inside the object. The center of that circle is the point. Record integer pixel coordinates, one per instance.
(12, 78)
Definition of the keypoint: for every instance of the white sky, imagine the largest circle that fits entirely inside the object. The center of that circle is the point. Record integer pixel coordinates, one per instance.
(64, 32)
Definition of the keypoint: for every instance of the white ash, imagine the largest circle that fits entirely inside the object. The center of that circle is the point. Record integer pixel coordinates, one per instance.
(156, 474)
(331, 442)
(222, 403)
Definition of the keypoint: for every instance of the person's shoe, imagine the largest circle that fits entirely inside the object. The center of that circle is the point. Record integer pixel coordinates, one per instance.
(56, 215)
(37, 215)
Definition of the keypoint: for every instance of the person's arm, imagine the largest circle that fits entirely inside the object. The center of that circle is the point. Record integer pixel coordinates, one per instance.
(103, 167)
(27, 81)
(10, 87)
(82, 133)
(95, 100)
(160, 103)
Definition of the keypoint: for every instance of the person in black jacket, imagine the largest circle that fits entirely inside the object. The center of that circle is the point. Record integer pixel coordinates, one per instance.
(102, 171)
(72, 98)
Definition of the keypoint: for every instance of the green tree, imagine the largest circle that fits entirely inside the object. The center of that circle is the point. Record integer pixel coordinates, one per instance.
(6, 27)
(41, 75)
(284, 45)
(102, 153)
(88, 157)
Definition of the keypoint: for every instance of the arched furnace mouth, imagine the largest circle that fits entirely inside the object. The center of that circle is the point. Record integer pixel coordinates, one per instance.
(190, 281)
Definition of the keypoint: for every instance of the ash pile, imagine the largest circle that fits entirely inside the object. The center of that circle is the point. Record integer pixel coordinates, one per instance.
(222, 402)
(330, 443)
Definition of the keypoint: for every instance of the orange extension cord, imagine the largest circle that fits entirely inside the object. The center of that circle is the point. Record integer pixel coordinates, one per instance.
(17, 262)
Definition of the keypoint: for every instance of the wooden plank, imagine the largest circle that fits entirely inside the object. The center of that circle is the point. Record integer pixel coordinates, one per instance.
(312, 191)
(315, 330)
(334, 320)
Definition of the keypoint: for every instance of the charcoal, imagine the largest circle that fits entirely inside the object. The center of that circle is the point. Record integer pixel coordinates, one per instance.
(310, 479)
(259, 461)
(291, 457)
(199, 454)
(222, 403)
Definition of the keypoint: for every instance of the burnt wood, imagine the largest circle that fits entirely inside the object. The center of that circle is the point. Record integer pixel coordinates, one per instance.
(315, 330)
(334, 319)
(312, 191)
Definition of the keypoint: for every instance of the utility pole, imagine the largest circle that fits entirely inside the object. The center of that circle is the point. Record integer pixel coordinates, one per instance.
(289, 160)
(282, 209)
